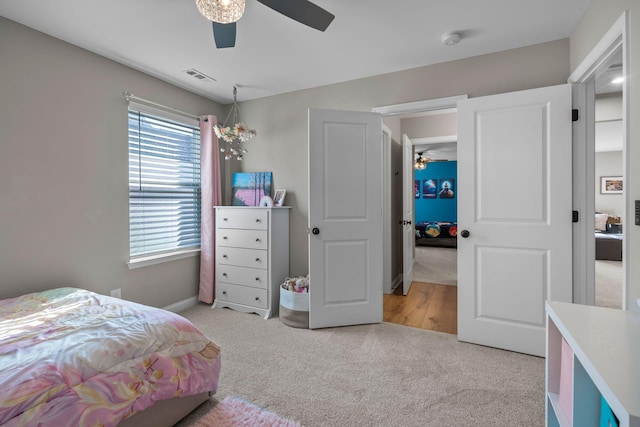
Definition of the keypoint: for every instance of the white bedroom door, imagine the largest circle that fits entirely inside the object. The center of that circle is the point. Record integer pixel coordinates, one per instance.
(514, 215)
(408, 199)
(345, 218)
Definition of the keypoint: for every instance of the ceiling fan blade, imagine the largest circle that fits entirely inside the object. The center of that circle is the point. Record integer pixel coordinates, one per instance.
(302, 11)
(224, 34)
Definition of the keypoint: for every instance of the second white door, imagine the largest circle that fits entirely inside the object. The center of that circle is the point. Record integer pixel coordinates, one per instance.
(408, 199)
(514, 207)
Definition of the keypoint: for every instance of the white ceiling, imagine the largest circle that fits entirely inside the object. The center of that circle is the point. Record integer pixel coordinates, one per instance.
(274, 54)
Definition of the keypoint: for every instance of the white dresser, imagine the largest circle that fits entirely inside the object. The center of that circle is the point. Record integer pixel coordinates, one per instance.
(252, 257)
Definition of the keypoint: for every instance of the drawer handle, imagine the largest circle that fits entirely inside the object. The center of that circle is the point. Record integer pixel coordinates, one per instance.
(257, 279)
(225, 238)
(224, 292)
(225, 219)
(258, 240)
(224, 256)
(257, 298)
(258, 220)
(257, 259)
(224, 274)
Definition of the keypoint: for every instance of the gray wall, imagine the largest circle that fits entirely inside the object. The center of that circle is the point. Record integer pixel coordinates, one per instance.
(63, 171)
(593, 25)
(396, 209)
(65, 221)
(281, 121)
(431, 126)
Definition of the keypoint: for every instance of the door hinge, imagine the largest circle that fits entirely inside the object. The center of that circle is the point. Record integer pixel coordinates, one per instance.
(574, 115)
(574, 216)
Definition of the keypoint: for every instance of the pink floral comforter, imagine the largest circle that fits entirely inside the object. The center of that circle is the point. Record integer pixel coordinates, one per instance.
(70, 357)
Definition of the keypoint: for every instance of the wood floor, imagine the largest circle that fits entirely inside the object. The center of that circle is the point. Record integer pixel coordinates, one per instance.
(426, 306)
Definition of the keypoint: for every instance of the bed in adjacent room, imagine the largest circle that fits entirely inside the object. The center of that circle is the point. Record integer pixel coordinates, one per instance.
(73, 357)
(436, 233)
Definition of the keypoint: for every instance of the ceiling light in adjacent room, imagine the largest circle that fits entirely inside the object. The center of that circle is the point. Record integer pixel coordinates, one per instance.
(421, 162)
(221, 11)
(617, 80)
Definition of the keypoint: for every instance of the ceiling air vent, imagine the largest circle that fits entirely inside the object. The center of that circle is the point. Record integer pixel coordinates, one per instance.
(200, 76)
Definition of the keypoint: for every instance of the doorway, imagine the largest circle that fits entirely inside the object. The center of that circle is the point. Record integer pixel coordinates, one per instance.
(609, 206)
(593, 87)
(431, 301)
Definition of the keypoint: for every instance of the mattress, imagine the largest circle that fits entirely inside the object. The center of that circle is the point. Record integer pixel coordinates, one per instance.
(73, 357)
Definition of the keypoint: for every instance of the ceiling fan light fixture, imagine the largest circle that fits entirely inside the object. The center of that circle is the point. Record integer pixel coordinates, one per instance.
(221, 11)
(420, 163)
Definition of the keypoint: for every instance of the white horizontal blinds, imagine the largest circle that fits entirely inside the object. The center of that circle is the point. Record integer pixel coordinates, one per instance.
(164, 185)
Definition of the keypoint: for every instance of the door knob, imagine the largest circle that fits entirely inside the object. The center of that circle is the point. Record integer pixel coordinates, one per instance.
(465, 233)
(315, 231)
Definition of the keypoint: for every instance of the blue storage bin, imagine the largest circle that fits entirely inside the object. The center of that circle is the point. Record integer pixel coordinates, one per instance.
(607, 417)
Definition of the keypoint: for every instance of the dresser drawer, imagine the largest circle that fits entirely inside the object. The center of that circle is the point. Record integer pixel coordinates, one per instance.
(253, 258)
(242, 295)
(255, 219)
(253, 277)
(251, 239)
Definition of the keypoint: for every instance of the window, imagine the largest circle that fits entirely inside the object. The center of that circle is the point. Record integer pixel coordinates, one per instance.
(164, 184)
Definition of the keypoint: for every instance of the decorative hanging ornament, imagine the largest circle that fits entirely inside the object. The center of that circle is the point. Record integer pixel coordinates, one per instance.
(234, 132)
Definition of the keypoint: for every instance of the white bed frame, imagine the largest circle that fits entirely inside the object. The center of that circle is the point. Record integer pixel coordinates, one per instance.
(167, 412)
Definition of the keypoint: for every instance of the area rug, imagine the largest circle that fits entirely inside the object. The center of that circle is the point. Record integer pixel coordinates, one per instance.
(235, 411)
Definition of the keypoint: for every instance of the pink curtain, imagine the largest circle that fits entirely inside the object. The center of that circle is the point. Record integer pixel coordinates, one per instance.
(211, 196)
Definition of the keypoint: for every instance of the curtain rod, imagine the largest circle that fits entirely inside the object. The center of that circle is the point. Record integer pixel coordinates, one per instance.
(129, 96)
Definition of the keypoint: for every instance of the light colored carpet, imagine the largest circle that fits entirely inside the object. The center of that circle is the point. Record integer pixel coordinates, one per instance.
(436, 265)
(370, 375)
(609, 284)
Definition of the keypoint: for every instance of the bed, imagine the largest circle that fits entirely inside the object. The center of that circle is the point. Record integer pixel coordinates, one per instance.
(73, 357)
(436, 233)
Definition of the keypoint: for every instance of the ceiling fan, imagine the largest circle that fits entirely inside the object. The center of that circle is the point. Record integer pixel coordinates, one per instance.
(225, 13)
(421, 162)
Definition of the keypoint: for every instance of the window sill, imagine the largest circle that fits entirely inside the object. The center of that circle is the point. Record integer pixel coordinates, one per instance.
(158, 259)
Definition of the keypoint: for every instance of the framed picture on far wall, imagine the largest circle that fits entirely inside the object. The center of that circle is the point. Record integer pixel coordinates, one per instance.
(447, 191)
(611, 185)
(416, 188)
(429, 188)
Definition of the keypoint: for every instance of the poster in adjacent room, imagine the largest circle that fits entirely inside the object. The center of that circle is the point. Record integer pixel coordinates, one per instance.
(447, 190)
(416, 188)
(248, 188)
(429, 189)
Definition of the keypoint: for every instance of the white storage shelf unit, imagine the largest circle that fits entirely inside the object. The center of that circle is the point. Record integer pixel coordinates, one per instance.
(604, 363)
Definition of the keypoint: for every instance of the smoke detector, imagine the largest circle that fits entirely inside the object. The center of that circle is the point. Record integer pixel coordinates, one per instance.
(450, 39)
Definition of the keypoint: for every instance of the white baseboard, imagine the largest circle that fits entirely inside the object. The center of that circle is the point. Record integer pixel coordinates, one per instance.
(182, 305)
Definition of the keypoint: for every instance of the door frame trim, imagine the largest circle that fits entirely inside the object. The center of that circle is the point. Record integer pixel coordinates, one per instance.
(420, 106)
(584, 148)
